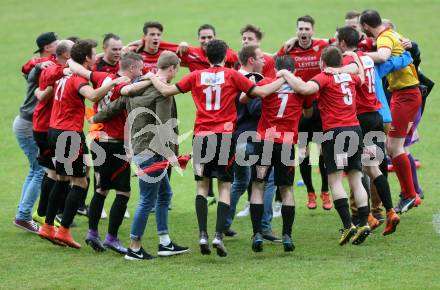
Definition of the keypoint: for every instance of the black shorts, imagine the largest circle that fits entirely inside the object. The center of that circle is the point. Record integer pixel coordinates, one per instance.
(212, 159)
(69, 155)
(276, 160)
(114, 173)
(372, 126)
(45, 154)
(310, 125)
(336, 154)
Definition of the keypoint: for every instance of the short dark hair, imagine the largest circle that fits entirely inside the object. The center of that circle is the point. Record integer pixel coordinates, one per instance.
(352, 14)
(152, 24)
(75, 39)
(82, 49)
(216, 51)
(205, 26)
(332, 56)
(109, 36)
(129, 59)
(246, 53)
(306, 18)
(285, 62)
(252, 28)
(349, 35)
(370, 17)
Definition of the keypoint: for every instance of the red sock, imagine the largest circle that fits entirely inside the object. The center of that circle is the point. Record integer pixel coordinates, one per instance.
(402, 166)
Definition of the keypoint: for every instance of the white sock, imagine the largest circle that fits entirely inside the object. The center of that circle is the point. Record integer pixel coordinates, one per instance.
(164, 240)
(135, 249)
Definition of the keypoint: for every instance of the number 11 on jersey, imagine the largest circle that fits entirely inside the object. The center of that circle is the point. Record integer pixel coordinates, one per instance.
(209, 91)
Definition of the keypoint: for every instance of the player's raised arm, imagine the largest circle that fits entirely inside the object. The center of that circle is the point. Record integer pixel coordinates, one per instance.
(381, 55)
(136, 88)
(263, 91)
(44, 95)
(358, 63)
(78, 69)
(298, 85)
(96, 95)
(165, 89)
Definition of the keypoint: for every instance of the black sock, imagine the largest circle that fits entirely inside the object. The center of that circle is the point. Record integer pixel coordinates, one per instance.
(383, 166)
(62, 200)
(59, 189)
(324, 176)
(210, 189)
(278, 195)
(366, 183)
(256, 211)
(222, 214)
(95, 210)
(202, 213)
(249, 191)
(341, 206)
(306, 173)
(117, 214)
(383, 189)
(46, 187)
(84, 197)
(73, 200)
(288, 214)
(363, 215)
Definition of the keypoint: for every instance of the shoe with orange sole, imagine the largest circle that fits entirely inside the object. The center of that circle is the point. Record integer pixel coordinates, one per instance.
(63, 235)
(392, 221)
(373, 222)
(48, 232)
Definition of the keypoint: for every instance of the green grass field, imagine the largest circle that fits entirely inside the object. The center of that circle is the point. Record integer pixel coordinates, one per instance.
(409, 259)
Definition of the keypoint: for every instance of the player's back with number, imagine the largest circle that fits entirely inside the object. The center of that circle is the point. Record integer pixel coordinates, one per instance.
(366, 99)
(214, 91)
(68, 107)
(280, 112)
(337, 99)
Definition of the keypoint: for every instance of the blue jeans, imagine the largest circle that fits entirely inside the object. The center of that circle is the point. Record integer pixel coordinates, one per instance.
(242, 179)
(32, 183)
(152, 186)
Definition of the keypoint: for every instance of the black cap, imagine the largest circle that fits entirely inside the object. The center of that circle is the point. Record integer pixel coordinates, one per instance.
(45, 39)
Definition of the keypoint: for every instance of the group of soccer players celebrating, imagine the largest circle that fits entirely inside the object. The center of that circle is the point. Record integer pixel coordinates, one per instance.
(252, 108)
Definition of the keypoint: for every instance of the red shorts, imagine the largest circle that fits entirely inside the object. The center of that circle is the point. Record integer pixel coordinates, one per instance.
(404, 106)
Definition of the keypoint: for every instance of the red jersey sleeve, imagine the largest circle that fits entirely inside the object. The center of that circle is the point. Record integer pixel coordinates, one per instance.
(28, 66)
(346, 60)
(43, 82)
(269, 67)
(231, 58)
(97, 77)
(357, 80)
(308, 101)
(185, 84)
(282, 51)
(168, 46)
(79, 83)
(242, 83)
(321, 79)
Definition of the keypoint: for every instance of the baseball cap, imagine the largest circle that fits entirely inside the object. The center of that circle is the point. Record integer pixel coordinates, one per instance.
(45, 39)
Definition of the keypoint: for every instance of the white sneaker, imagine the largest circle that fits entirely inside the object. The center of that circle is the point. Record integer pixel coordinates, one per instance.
(245, 211)
(103, 214)
(276, 208)
(126, 214)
